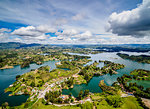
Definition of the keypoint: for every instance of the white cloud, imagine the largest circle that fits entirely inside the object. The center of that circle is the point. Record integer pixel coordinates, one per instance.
(4, 30)
(34, 33)
(67, 32)
(27, 31)
(45, 29)
(79, 16)
(135, 22)
(83, 36)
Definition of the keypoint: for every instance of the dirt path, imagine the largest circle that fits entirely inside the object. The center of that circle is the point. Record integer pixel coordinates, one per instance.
(146, 102)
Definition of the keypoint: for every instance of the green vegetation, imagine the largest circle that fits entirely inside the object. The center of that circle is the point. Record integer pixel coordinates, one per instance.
(41, 81)
(107, 100)
(110, 67)
(88, 71)
(107, 89)
(45, 87)
(87, 105)
(115, 100)
(53, 97)
(24, 56)
(141, 74)
(26, 82)
(128, 103)
(134, 89)
(73, 64)
(82, 94)
(140, 58)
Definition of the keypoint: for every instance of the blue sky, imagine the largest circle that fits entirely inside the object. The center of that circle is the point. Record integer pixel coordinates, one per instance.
(75, 21)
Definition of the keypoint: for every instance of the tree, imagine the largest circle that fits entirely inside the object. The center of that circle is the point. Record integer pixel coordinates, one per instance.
(43, 101)
(148, 90)
(70, 94)
(86, 92)
(87, 77)
(32, 84)
(114, 100)
(87, 105)
(60, 100)
(26, 92)
(17, 77)
(4, 105)
(66, 101)
(72, 100)
(80, 95)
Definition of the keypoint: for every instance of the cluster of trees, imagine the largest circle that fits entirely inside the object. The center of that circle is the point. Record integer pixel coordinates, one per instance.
(137, 90)
(141, 74)
(89, 71)
(107, 89)
(114, 100)
(86, 105)
(53, 97)
(140, 58)
(36, 59)
(124, 79)
(76, 57)
(36, 79)
(17, 57)
(114, 66)
(5, 105)
(69, 82)
(82, 94)
(110, 67)
(8, 58)
(67, 64)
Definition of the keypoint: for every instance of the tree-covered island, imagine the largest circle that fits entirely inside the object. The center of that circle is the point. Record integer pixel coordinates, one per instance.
(45, 85)
(140, 58)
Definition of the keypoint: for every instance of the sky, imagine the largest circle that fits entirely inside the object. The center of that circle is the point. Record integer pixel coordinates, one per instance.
(75, 21)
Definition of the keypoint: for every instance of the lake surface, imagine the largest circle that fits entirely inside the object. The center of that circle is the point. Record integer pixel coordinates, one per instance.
(92, 85)
(8, 76)
(144, 83)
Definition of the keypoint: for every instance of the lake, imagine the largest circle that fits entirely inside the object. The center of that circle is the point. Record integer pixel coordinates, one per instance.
(7, 76)
(92, 85)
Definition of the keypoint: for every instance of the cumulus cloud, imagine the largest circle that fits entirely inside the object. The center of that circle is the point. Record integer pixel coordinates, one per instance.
(72, 36)
(34, 33)
(135, 22)
(45, 29)
(27, 31)
(5, 36)
(4, 30)
(83, 36)
(67, 32)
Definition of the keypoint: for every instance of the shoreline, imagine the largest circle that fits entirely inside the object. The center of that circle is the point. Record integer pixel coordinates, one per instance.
(6, 67)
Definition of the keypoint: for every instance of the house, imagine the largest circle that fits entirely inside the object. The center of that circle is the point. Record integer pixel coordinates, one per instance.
(64, 97)
(11, 85)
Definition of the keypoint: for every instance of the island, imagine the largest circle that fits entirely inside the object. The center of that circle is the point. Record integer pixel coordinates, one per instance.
(46, 86)
(134, 89)
(140, 58)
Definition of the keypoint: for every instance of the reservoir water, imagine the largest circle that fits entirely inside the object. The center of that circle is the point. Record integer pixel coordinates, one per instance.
(92, 85)
(7, 76)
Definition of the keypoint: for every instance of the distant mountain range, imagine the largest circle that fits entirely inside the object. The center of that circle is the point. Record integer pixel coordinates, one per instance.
(16, 45)
(97, 47)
